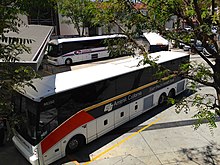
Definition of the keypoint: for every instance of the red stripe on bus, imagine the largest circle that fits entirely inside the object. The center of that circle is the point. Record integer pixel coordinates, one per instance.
(71, 124)
(72, 53)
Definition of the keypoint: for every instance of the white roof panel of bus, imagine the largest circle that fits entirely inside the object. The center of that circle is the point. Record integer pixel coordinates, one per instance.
(155, 39)
(61, 40)
(57, 83)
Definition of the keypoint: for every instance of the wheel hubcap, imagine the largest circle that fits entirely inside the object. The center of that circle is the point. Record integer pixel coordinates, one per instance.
(68, 62)
(73, 144)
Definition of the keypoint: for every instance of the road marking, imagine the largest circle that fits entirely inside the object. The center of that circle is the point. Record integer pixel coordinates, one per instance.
(122, 141)
(75, 162)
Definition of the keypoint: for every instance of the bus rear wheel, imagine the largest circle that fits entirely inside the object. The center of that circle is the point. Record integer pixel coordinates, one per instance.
(171, 96)
(162, 99)
(75, 143)
(171, 93)
(68, 61)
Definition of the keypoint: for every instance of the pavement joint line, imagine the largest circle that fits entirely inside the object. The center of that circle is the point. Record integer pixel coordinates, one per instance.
(122, 141)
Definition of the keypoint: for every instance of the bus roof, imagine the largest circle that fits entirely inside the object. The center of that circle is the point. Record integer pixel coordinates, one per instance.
(155, 39)
(75, 39)
(64, 81)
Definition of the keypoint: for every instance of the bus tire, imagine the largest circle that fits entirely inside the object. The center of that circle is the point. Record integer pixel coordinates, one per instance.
(75, 143)
(68, 61)
(172, 93)
(162, 99)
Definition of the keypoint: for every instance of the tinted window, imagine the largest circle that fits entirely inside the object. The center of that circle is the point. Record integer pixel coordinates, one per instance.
(93, 44)
(66, 105)
(70, 102)
(145, 76)
(125, 83)
(53, 50)
(174, 64)
(106, 89)
(67, 47)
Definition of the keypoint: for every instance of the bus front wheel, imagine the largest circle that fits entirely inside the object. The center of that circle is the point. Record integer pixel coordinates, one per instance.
(68, 61)
(75, 143)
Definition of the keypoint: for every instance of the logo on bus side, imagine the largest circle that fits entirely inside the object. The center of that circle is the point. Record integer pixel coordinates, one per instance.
(108, 107)
(121, 101)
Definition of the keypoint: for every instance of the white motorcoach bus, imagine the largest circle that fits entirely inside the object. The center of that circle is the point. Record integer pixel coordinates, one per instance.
(73, 108)
(72, 50)
(154, 42)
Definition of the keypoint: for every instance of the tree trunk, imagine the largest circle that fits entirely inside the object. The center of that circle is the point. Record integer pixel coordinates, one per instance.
(218, 97)
(83, 30)
(217, 77)
(78, 30)
(77, 26)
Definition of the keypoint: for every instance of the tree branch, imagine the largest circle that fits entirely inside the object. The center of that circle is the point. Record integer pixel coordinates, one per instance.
(204, 58)
(131, 5)
(192, 77)
(197, 10)
(142, 48)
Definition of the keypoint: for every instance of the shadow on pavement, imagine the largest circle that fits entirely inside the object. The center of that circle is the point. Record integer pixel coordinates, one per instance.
(10, 155)
(209, 155)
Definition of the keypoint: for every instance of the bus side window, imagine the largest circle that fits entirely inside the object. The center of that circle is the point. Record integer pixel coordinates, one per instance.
(60, 49)
(105, 89)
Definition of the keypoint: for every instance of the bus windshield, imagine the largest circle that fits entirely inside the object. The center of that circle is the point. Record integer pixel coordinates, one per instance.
(48, 121)
(26, 110)
(53, 50)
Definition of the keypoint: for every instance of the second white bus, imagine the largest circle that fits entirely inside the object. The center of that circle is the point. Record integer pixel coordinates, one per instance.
(72, 50)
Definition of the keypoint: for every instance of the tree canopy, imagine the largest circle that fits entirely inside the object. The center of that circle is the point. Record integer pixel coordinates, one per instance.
(152, 15)
(79, 12)
(11, 75)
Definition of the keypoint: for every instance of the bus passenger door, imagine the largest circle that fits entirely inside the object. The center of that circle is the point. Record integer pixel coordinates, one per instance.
(91, 131)
(77, 57)
(136, 108)
(48, 123)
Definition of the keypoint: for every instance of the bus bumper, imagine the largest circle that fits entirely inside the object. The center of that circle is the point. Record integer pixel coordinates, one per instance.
(33, 159)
